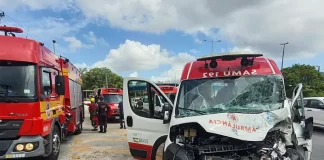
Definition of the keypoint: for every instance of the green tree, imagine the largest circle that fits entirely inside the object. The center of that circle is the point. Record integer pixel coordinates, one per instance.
(312, 80)
(96, 78)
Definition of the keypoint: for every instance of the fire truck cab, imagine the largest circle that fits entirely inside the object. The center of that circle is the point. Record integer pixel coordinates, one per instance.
(229, 106)
(40, 98)
(112, 96)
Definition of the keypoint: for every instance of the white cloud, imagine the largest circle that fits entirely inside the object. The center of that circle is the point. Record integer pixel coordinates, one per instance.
(193, 51)
(81, 65)
(56, 5)
(47, 29)
(91, 37)
(261, 24)
(134, 74)
(75, 44)
(134, 56)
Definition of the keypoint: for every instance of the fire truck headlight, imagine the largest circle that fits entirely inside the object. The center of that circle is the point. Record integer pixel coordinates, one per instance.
(20, 147)
(29, 146)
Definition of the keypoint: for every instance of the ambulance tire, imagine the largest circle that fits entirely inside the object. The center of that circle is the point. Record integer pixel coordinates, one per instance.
(156, 146)
(56, 141)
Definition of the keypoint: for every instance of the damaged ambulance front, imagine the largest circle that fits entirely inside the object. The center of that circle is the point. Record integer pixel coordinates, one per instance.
(237, 112)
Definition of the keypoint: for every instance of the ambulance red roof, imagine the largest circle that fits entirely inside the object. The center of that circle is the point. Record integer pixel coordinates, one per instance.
(197, 70)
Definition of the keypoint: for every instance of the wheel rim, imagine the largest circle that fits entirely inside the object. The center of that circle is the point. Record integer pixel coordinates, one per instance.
(56, 143)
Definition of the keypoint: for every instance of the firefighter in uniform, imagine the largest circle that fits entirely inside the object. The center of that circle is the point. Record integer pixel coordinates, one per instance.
(93, 114)
(103, 109)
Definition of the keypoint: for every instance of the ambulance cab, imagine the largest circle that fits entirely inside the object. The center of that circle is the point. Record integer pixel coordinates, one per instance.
(229, 106)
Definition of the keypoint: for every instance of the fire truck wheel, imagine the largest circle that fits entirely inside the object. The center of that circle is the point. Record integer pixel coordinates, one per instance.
(79, 130)
(56, 145)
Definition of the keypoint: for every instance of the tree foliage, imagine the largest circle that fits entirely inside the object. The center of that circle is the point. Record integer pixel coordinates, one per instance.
(96, 78)
(312, 80)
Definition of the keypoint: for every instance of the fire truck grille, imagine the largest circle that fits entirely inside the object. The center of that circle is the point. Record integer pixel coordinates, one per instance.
(4, 146)
(9, 129)
(2, 153)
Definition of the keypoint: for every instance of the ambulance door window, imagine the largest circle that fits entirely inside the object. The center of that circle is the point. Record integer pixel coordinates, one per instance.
(46, 89)
(149, 102)
(138, 90)
(157, 108)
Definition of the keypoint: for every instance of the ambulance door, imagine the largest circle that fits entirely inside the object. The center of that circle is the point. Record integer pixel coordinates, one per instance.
(303, 128)
(146, 131)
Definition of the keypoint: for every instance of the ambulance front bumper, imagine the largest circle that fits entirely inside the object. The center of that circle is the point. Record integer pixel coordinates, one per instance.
(7, 147)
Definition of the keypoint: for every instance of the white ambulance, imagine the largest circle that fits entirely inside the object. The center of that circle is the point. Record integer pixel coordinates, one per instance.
(230, 106)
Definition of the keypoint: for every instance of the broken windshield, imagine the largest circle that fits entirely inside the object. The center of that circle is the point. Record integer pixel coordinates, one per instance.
(248, 94)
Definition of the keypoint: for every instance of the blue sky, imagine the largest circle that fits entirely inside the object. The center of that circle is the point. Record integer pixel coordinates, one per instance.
(154, 39)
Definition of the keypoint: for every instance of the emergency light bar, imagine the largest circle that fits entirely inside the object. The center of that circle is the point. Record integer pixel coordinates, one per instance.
(11, 29)
(112, 90)
(246, 59)
(166, 88)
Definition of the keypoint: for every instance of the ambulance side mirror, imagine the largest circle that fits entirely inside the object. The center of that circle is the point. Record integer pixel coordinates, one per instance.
(59, 85)
(166, 111)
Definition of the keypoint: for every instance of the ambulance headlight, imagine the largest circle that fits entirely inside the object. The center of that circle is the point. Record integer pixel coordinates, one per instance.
(20, 147)
(29, 146)
(213, 63)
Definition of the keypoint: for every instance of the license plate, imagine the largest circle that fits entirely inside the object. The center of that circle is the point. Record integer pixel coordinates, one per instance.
(116, 117)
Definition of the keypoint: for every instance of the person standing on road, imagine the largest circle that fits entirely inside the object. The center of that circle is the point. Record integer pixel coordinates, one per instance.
(121, 115)
(93, 114)
(103, 109)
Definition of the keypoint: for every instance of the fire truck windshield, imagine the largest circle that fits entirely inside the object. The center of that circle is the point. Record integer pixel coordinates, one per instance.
(112, 98)
(17, 82)
(245, 94)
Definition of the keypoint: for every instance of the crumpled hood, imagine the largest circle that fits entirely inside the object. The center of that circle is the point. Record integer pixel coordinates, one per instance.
(247, 127)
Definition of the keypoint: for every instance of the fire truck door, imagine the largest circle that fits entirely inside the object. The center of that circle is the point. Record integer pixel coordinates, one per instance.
(146, 131)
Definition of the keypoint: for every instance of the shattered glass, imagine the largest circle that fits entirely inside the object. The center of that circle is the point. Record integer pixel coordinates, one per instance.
(244, 94)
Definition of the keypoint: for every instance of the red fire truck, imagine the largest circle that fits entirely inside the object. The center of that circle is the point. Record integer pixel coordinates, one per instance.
(169, 91)
(40, 98)
(112, 96)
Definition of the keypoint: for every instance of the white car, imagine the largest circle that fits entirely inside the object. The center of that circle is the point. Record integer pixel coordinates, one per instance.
(314, 107)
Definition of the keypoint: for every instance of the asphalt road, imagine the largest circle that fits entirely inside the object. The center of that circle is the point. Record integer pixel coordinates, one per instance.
(318, 145)
(113, 145)
(91, 145)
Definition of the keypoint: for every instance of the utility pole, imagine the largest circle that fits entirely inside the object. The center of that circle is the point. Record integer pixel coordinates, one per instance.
(175, 76)
(318, 68)
(212, 42)
(106, 81)
(106, 77)
(53, 45)
(283, 53)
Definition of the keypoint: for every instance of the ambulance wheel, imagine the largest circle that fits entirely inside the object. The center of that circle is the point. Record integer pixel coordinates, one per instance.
(79, 129)
(56, 145)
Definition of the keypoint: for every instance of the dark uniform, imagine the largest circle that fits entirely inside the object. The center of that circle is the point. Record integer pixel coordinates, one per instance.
(103, 109)
(121, 115)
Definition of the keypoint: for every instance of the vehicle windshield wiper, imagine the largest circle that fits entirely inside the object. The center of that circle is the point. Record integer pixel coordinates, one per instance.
(197, 111)
(8, 99)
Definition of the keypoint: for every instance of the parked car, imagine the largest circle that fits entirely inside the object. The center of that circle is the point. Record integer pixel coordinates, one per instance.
(314, 107)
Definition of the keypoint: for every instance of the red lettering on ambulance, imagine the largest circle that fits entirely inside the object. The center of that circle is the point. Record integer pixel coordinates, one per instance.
(234, 126)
